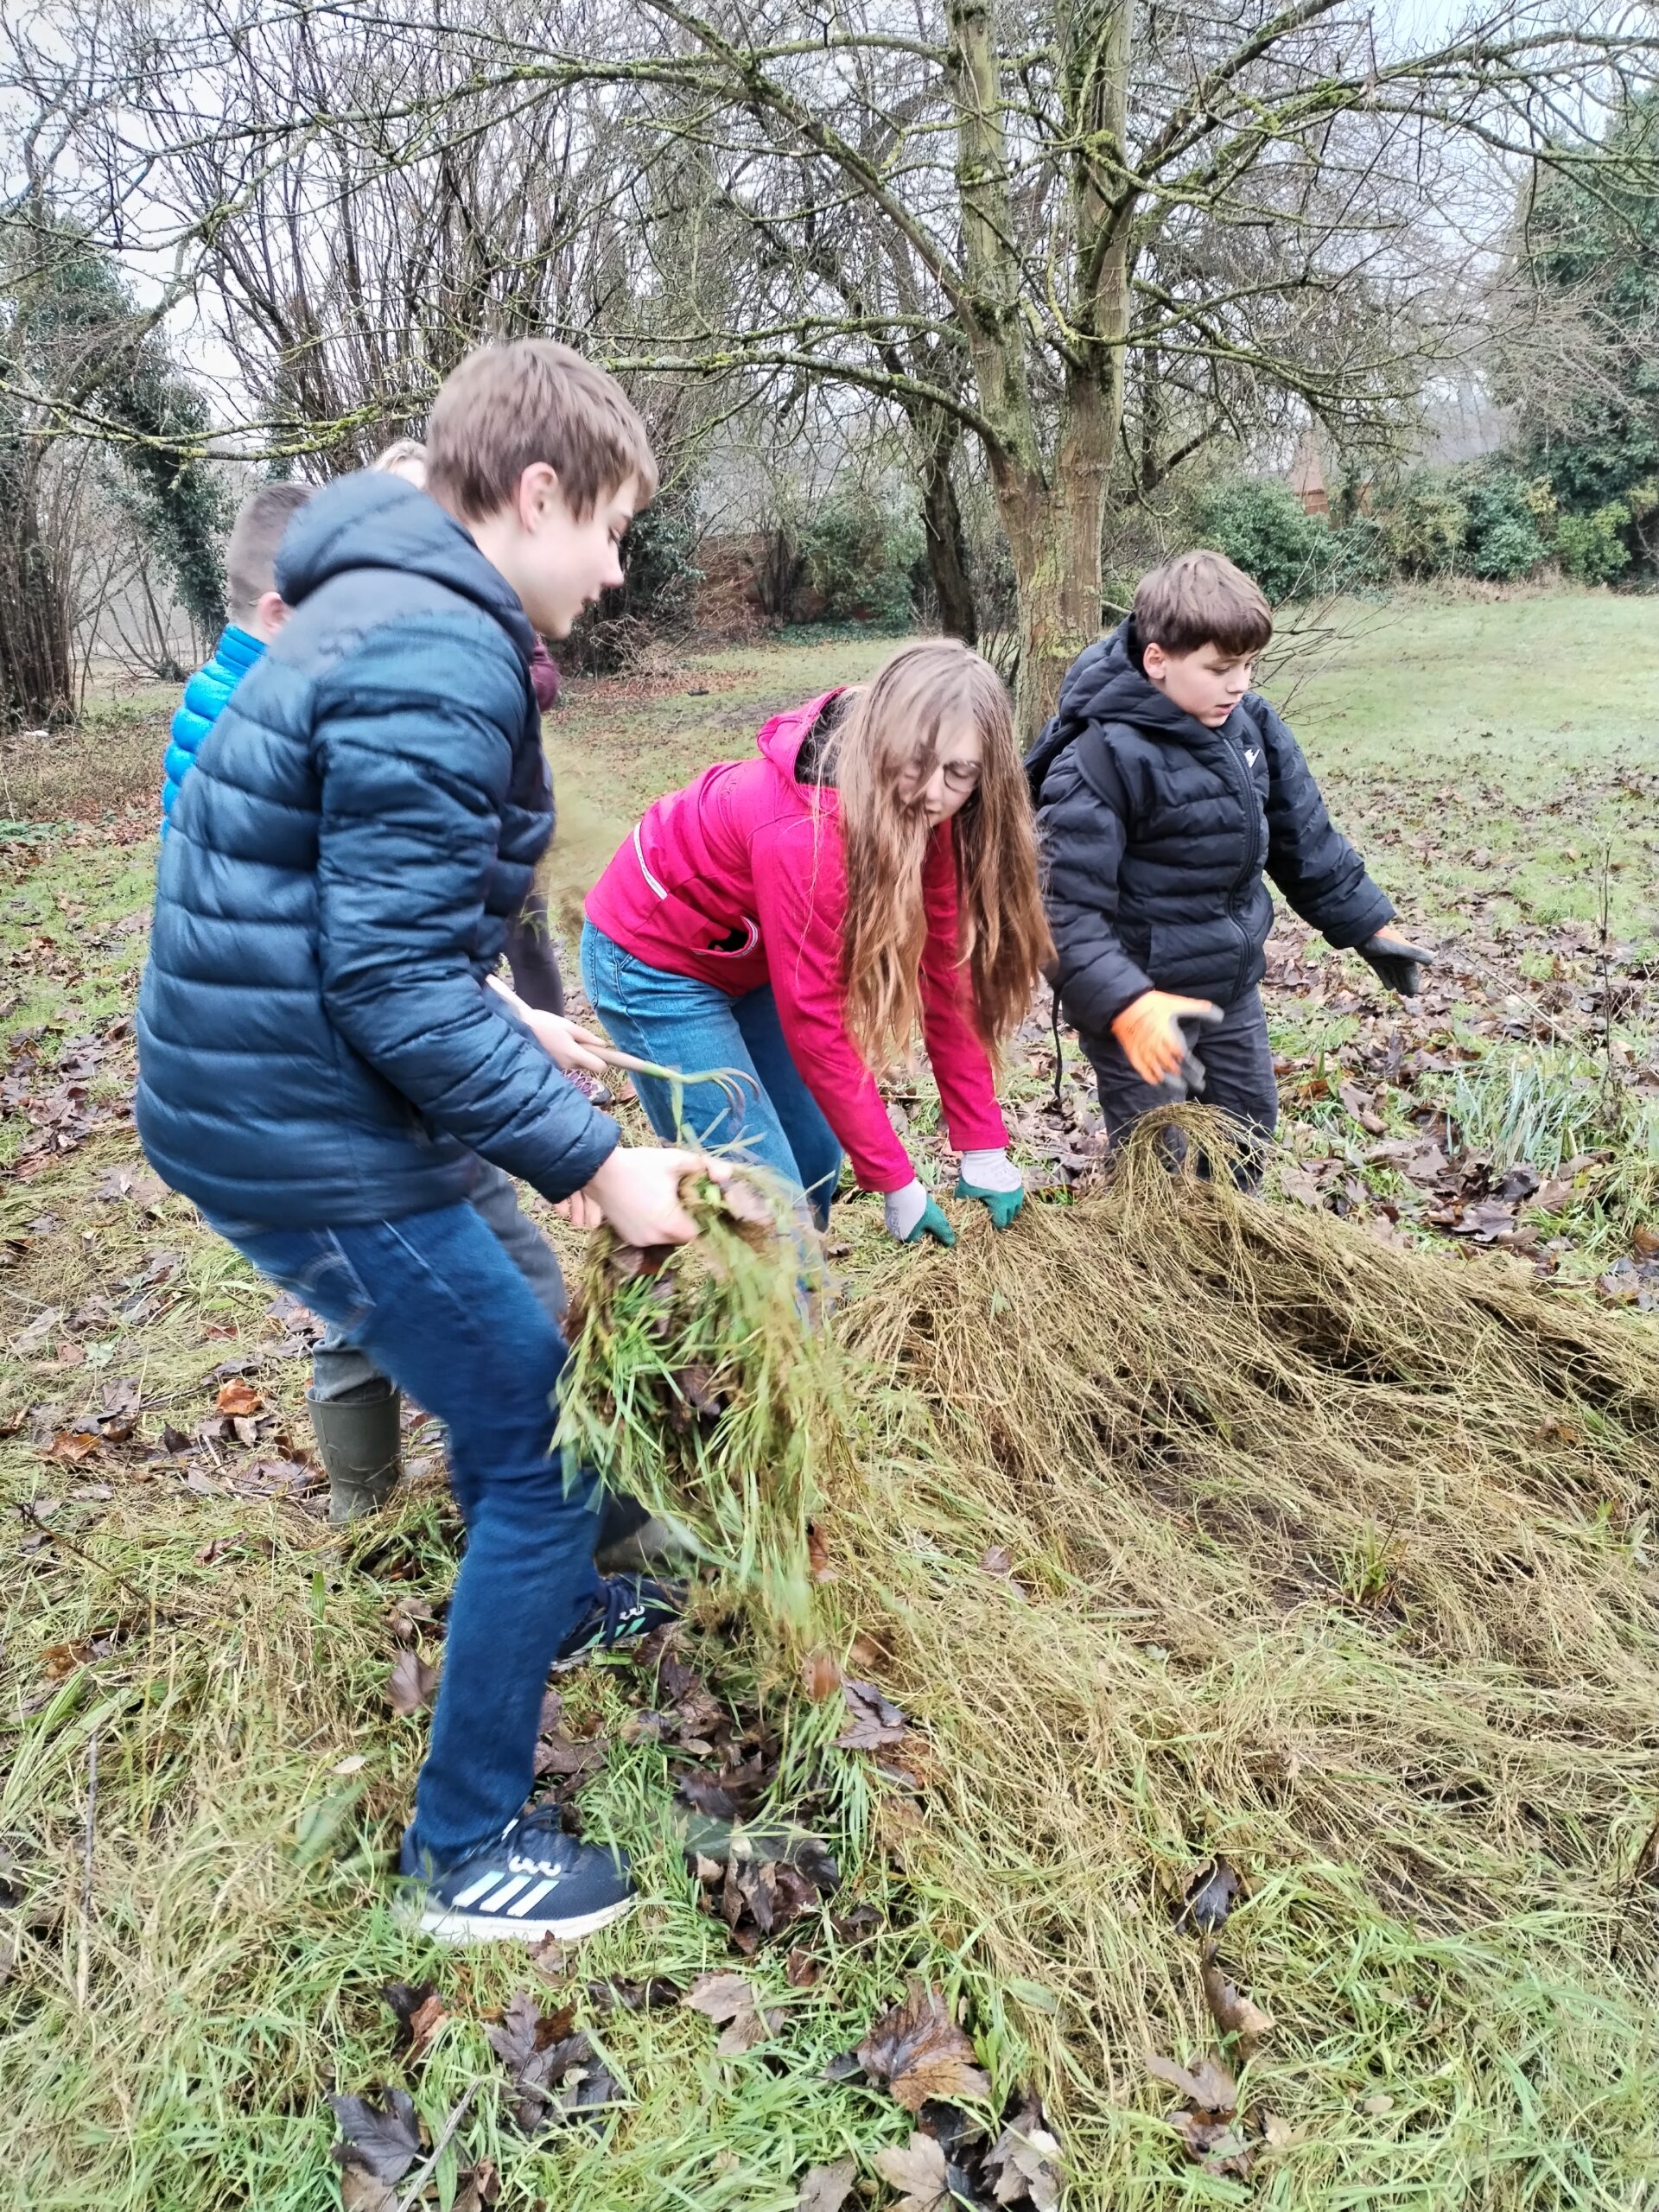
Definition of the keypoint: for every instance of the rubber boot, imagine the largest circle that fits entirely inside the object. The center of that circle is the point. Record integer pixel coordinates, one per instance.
(629, 1541)
(359, 1443)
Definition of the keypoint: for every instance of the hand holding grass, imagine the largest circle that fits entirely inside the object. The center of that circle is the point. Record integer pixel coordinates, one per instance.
(1149, 1030)
(993, 1179)
(913, 1215)
(636, 1193)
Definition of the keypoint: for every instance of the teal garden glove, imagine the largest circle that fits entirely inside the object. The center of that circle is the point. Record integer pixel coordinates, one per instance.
(911, 1215)
(993, 1179)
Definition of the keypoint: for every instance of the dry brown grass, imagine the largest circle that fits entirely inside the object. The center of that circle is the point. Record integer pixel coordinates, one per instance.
(1329, 1559)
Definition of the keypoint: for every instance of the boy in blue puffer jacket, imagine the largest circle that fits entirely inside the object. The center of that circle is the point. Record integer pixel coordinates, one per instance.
(321, 1065)
(1167, 791)
(355, 1411)
(256, 614)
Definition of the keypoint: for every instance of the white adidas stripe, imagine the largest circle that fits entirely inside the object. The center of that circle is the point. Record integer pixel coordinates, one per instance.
(532, 1897)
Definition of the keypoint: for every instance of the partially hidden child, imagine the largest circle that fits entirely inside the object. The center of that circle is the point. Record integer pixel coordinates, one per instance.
(1168, 792)
(321, 1065)
(869, 873)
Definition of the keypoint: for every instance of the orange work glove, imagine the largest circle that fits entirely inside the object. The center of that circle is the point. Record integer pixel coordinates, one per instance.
(1149, 1030)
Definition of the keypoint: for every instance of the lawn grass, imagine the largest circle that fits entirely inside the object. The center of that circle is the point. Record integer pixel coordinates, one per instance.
(171, 2029)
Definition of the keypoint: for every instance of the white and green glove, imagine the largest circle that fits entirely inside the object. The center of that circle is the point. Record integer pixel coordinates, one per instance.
(913, 1215)
(993, 1179)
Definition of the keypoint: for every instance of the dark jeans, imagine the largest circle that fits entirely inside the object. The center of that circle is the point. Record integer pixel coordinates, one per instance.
(1237, 1063)
(681, 1023)
(436, 1303)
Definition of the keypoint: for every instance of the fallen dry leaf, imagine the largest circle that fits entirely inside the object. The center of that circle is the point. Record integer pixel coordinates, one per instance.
(918, 2050)
(359, 2191)
(1209, 1896)
(1233, 2014)
(1215, 2144)
(479, 2189)
(919, 2170)
(73, 1445)
(1026, 2163)
(419, 2012)
(410, 1683)
(826, 2188)
(549, 1958)
(556, 2074)
(728, 1998)
(381, 2138)
(238, 1399)
(875, 1725)
(1208, 2085)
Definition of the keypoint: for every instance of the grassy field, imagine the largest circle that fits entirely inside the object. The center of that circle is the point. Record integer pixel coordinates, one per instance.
(204, 1777)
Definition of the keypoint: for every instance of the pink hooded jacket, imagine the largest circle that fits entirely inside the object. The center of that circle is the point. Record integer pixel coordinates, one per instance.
(740, 881)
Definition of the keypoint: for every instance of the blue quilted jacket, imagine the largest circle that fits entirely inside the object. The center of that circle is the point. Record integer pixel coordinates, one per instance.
(203, 702)
(315, 1045)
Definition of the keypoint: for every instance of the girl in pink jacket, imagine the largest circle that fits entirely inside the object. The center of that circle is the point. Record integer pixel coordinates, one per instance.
(800, 916)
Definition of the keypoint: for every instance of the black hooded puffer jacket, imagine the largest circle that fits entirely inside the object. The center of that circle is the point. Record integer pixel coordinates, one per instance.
(1156, 833)
(315, 1044)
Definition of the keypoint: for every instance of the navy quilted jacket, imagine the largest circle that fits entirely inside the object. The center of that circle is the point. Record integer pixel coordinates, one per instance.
(1156, 835)
(315, 1045)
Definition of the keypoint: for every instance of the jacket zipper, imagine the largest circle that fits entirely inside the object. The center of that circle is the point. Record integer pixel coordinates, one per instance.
(1253, 861)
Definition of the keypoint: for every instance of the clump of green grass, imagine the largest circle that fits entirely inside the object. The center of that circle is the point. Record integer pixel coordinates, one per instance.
(1545, 1106)
(695, 1387)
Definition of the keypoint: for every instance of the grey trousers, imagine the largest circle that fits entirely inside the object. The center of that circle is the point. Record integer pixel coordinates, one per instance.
(338, 1368)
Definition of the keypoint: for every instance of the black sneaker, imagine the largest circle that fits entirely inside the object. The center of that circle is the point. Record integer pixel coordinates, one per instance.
(537, 1881)
(630, 1606)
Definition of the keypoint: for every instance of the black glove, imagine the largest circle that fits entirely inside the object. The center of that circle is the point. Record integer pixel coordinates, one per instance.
(1395, 962)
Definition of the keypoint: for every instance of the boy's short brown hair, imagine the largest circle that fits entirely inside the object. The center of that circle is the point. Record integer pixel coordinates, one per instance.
(250, 556)
(507, 407)
(1201, 599)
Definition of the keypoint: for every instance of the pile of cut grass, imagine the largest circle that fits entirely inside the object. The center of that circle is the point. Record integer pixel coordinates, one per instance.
(1191, 1527)
(1329, 1560)
(1325, 1559)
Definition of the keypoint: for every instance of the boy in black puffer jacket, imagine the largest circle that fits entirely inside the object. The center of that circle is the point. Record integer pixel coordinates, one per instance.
(1166, 790)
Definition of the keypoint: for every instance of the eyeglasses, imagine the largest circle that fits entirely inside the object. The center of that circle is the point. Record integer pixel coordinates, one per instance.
(961, 775)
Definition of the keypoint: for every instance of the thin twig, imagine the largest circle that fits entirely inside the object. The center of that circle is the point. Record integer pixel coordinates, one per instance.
(1605, 964)
(410, 2196)
(84, 1961)
(26, 1507)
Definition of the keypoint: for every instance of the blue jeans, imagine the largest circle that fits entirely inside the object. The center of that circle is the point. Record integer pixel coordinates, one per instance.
(340, 1366)
(681, 1023)
(436, 1303)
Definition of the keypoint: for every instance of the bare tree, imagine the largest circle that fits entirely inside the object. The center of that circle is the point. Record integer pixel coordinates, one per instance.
(1084, 237)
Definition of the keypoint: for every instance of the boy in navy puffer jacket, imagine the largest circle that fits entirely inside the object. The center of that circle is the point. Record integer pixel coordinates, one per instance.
(1166, 789)
(320, 1063)
(256, 614)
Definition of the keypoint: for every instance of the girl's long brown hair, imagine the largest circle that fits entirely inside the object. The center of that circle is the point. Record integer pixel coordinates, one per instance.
(891, 726)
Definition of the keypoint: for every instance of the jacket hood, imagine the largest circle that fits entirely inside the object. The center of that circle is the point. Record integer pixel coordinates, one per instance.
(1107, 684)
(781, 740)
(374, 521)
